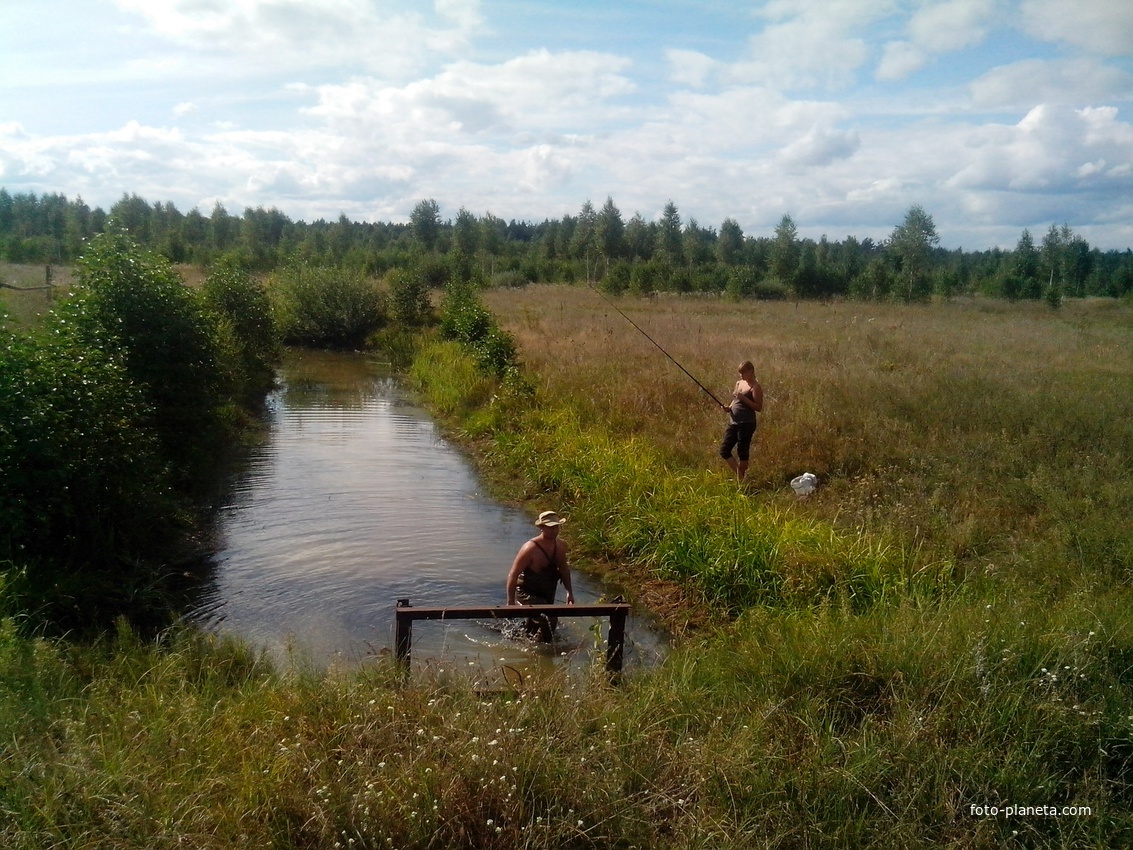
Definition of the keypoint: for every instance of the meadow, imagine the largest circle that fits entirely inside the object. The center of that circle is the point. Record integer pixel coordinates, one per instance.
(24, 295)
(970, 439)
(942, 629)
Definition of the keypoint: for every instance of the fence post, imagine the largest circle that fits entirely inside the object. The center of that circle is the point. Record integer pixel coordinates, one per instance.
(615, 642)
(403, 636)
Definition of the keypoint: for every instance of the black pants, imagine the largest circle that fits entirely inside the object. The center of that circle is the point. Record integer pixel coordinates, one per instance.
(738, 436)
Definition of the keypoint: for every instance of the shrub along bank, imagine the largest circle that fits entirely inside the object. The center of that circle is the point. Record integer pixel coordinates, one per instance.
(111, 410)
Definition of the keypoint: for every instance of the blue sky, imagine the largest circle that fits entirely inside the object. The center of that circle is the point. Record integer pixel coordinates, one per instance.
(993, 115)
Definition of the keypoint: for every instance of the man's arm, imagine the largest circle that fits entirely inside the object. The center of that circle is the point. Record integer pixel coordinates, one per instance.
(564, 576)
(512, 583)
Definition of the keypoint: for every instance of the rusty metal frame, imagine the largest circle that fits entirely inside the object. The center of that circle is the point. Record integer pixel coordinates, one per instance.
(405, 614)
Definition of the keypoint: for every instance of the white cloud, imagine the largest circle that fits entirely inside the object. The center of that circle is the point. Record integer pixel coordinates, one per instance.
(1103, 26)
(809, 44)
(537, 92)
(377, 35)
(1023, 84)
(821, 146)
(934, 29)
(898, 60)
(951, 25)
(690, 67)
(1054, 148)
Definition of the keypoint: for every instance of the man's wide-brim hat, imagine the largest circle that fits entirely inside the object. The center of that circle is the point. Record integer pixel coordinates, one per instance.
(549, 518)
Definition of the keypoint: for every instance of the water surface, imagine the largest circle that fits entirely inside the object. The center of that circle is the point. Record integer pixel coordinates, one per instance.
(354, 501)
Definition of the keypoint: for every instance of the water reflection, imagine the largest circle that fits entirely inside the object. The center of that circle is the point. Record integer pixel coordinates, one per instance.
(355, 501)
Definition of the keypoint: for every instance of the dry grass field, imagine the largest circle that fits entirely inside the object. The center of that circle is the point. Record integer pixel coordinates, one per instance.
(24, 297)
(992, 435)
(23, 293)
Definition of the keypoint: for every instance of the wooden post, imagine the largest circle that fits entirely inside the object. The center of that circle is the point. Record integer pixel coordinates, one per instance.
(403, 636)
(615, 642)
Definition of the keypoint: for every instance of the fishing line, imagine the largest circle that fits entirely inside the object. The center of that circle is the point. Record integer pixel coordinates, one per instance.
(659, 348)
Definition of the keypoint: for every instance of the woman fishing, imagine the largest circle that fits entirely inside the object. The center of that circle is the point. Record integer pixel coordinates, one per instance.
(747, 400)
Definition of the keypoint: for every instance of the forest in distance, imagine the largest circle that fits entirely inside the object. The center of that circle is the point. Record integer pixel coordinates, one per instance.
(601, 245)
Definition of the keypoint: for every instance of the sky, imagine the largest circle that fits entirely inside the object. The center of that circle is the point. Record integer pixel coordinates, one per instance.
(992, 115)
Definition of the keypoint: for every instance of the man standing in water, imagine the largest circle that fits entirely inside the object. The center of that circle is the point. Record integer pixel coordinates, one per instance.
(539, 566)
(747, 400)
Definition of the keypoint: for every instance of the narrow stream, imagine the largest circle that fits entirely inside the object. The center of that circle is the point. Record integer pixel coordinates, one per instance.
(354, 501)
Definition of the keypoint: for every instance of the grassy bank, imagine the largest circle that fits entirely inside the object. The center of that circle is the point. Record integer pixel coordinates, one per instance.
(981, 438)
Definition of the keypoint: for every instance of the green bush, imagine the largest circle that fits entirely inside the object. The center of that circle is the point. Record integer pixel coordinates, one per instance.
(648, 277)
(617, 278)
(109, 413)
(465, 319)
(84, 491)
(770, 289)
(326, 307)
(247, 326)
(408, 297)
(132, 302)
(742, 282)
(509, 279)
(435, 270)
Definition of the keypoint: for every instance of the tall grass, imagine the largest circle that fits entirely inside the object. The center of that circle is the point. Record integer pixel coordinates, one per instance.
(993, 437)
(819, 729)
(692, 527)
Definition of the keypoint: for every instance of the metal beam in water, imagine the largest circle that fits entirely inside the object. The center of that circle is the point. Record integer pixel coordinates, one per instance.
(405, 614)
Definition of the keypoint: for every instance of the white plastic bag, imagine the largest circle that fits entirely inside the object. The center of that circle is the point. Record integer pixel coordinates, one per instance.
(805, 484)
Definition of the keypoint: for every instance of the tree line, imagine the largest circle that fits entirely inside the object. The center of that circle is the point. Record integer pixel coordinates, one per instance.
(597, 245)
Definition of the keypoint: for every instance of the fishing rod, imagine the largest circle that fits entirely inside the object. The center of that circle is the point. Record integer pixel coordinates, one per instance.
(659, 348)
